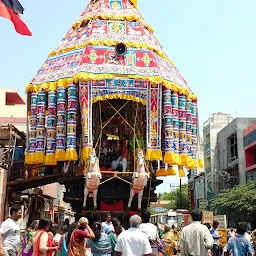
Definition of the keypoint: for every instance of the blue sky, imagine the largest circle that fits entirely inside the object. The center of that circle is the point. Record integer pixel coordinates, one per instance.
(212, 42)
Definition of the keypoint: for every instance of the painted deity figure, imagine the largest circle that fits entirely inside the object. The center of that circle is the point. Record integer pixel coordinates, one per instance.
(92, 179)
(140, 179)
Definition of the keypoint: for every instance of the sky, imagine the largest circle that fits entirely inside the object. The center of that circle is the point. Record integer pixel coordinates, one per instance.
(213, 44)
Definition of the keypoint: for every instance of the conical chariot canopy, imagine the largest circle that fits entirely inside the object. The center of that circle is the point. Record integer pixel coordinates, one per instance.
(87, 51)
(86, 67)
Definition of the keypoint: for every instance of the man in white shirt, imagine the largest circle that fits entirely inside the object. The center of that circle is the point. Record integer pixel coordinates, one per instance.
(195, 238)
(150, 230)
(107, 224)
(231, 233)
(133, 242)
(10, 233)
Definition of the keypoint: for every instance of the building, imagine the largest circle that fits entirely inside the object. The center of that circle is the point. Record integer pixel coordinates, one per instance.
(229, 160)
(13, 109)
(249, 137)
(62, 210)
(211, 127)
(193, 174)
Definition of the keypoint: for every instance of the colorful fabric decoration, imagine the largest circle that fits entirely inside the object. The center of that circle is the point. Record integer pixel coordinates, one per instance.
(175, 121)
(71, 153)
(31, 157)
(183, 159)
(181, 172)
(194, 133)
(161, 170)
(170, 170)
(189, 131)
(61, 125)
(131, 33)
(85, 92)
(154, 116)
(117, 9)
(170, 157)
(99, 63)
(50, 158)
(40, 127)
(127, 89)
(86, 56)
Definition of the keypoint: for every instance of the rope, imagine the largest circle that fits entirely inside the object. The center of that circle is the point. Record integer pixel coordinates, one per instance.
(117, 112)
(4, 152)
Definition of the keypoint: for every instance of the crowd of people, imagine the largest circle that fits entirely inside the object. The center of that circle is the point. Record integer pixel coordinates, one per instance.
(42, 238)
(202, 239)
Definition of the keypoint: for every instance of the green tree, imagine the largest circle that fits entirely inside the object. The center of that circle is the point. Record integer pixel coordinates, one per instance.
(152, 210)
(238, 203)
(177, 200)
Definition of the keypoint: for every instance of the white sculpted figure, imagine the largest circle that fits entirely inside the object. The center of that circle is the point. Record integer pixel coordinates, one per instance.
(92, 179)
(140, 179)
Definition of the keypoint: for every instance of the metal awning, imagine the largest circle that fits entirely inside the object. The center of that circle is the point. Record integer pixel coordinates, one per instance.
(13, 98)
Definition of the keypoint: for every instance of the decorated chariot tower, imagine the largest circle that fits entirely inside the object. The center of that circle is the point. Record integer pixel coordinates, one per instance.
(108, 95)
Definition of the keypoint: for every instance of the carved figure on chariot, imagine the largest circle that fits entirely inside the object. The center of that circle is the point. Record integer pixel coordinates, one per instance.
(92, 179)
(109, 101)
(140, 179)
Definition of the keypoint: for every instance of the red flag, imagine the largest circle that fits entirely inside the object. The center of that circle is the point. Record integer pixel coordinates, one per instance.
(9, 11)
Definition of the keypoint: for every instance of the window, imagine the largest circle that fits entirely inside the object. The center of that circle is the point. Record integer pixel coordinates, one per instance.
(250, 138)
(232, 147)
(251, 176)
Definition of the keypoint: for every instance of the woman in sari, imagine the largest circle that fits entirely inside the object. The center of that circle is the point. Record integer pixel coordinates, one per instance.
(168, 240)
(28, 248)
(77, 245)
(65, 239)
(101, 245)
(42, 242)
(114, 235)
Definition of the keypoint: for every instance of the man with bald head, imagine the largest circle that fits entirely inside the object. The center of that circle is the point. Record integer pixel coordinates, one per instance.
(133, 241)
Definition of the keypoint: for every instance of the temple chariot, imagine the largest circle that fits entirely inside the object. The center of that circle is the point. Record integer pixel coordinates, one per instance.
(111, 112)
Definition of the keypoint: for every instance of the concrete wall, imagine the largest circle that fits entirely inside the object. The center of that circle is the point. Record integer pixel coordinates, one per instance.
(50, 190)
(236, 126)
(212, 126)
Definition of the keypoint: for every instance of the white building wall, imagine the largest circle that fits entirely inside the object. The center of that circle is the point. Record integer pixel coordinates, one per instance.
(211, 128)
(15, 114)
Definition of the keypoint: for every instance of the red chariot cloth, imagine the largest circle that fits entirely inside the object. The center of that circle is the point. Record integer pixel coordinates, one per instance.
(118, 207)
